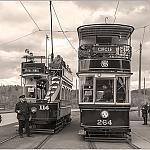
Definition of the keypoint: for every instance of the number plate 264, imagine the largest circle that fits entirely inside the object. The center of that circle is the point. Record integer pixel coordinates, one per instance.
(104, 122)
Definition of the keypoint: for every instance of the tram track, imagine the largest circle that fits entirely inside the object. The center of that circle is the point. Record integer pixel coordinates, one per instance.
(104, 144)
(133, 146)
(8, 139)
(116, 145)
(40, 145)
(91, 145)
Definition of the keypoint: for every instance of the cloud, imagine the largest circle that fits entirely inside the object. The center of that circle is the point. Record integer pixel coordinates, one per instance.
(15, 23)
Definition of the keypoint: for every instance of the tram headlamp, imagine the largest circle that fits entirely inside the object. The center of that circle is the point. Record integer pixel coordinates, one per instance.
(104, 114)
(82, 47)
(33, 109)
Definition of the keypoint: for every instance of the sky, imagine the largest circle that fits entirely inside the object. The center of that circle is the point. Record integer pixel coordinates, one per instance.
(16, 23)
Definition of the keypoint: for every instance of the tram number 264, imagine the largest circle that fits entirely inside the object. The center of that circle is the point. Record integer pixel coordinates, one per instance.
(104, 122)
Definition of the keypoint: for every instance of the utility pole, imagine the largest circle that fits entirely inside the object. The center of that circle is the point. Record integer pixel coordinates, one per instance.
(144, 90)
(139, 90)
(76, 92)
(46, 49)
(51, 30)
(52, 54)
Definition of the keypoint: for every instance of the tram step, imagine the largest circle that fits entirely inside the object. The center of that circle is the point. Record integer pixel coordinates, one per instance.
(110, 139)
(50, 131)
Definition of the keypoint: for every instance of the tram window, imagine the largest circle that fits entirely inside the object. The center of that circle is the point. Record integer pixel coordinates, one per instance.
(104, 91)
(63, 94)
(122, 91)
(104, 40)
(86, 92)
(30, 92)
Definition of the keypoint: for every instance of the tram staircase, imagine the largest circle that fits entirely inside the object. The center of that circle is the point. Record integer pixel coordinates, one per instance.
(53, 90)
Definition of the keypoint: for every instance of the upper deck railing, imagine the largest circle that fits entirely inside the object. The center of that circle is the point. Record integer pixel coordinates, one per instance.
(121, 51)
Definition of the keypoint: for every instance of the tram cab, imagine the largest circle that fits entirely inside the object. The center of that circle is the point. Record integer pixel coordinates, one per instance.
(104, 72)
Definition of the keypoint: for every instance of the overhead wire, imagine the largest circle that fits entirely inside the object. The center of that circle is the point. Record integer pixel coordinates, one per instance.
(6, 43)
(30, 15)
(59, 30)
(116, 12)
(142, 27)
(62, 29)
(143, 35)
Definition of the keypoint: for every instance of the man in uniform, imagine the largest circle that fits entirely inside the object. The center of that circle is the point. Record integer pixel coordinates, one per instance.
(23, 113)
(0, 118)
(145, 113)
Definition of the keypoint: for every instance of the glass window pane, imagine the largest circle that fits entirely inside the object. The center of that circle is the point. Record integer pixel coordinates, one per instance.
(104, 90)
(30, 91)
(122, 90)
(86, 92)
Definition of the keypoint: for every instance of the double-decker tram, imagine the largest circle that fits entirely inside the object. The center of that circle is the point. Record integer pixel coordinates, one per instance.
(104, 71)
(47, 87)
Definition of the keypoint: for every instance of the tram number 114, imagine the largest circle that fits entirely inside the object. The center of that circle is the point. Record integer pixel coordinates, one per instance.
(104, 122)
(44, 107)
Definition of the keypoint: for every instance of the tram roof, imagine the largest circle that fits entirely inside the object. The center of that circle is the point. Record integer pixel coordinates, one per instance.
(124, 31)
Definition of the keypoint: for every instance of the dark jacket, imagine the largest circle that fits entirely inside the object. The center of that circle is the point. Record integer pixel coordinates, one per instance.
(144, 111)
(108, 94)
(24, 110)
(0, 118)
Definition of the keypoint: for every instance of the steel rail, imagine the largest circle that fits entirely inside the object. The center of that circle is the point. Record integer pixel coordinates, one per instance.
(133, 146)
(8, 139)
(40, 145)
(91, 145)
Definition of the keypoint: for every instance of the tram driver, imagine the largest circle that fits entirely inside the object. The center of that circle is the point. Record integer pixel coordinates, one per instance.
(107, 95)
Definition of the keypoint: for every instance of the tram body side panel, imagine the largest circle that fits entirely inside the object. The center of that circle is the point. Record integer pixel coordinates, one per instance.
(48, 112)
(45, 114)
(64, 111)
(116, 117)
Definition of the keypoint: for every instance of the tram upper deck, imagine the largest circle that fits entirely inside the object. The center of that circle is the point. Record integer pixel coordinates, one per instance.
(109, 40)
(105, 47)
(37, 66)
(42, 78)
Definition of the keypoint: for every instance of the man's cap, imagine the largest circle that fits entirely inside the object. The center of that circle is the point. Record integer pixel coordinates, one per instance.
(22, 96)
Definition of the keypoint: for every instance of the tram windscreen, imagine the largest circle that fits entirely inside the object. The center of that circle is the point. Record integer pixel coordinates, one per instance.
(104, 90)
(30, 92)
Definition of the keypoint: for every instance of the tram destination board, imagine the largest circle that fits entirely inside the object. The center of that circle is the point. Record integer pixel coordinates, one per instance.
(114, 65)
(33, 68)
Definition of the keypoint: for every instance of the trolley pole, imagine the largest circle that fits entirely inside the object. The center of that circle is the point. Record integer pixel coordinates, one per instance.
(139, 90)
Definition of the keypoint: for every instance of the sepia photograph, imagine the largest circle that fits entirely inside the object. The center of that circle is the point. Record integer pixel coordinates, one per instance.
(74, 74)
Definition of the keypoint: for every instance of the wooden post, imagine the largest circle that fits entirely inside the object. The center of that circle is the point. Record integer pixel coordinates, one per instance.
(139, 90)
